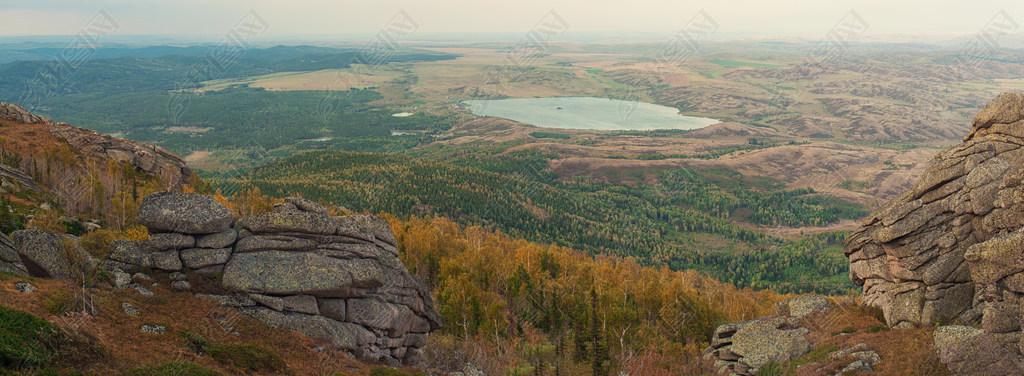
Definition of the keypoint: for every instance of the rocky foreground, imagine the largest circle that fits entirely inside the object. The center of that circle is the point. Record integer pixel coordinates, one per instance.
(951, 250)
(948, 253)
(337, 279)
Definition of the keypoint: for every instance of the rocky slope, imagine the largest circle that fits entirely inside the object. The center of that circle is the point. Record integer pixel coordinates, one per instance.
(90, 144)
(949, 250)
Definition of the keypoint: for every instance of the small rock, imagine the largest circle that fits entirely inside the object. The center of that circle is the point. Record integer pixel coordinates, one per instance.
(869, 357)
(155, 329)
(121, 279)
(181, 285)
(129, 309)
(1000, 317)
(178, 276)
(856, 367)
(847, 351)
(25, 287)
(143, 290)
(167, 260)
(140, 277)
(219, 240)
(802, 306)
(306, 205)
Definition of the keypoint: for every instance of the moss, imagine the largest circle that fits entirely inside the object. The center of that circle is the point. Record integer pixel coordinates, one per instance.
(24, 339)
(385, 371)
(195, 342)
(877, 328)
(173, 369)
(247, 356)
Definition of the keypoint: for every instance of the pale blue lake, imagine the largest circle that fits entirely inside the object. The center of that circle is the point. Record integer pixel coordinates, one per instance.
(587, 113)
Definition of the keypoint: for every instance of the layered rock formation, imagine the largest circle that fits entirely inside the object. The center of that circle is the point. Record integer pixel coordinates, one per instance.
(145, 157)
(13, 112)
(929, 255)
(952, 248)
(338, 279)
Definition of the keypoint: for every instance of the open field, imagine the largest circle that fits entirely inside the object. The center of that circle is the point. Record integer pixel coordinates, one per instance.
(328, 79)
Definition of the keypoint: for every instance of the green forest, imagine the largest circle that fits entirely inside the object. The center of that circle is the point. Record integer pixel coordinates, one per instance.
(151, 100)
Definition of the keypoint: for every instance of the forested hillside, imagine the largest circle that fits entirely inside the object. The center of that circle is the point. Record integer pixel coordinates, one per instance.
(673, 222)
(511, 306)
(158, 99)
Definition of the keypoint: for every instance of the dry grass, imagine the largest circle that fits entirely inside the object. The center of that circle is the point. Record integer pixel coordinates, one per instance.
(324, 80)
(110, 341)
(903, 352)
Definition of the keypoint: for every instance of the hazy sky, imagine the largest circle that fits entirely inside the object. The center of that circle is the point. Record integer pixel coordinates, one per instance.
(296, 18)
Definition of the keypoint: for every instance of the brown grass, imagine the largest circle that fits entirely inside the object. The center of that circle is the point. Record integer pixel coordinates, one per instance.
(903, 352)
(110, 341)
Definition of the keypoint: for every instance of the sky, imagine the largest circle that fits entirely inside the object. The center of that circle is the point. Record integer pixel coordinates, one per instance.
(326, 18)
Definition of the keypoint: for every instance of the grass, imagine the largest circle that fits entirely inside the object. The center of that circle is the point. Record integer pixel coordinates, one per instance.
(610, 82)
(173, 369)
(593, 71)
(250, 357)
(24, 339)
(734, 63)
(58, 302)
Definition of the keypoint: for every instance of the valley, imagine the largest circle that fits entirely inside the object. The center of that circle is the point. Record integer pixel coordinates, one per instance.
(584, 209)
(800, 150)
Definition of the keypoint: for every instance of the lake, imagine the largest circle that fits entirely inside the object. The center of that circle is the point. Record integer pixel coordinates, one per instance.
(587, 113)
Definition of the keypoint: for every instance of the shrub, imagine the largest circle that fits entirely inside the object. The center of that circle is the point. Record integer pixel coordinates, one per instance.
(770, 369)
(137, 232)
(47, 220)
(24, 339)
(247, 356)
(59, 302)
(97, 243)
(195, 342)
(173, 369)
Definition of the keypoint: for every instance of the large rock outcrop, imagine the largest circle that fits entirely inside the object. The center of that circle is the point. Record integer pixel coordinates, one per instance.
(951, 250)
(10, 259)
(743, 348)
(151, 159)
(49, 255)
(951, 242)
(13, 112)
(334, 278)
